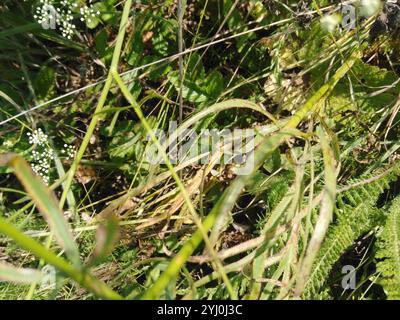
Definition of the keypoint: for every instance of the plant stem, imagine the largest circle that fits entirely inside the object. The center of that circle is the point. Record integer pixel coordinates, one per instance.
(100, 104)
(167, 277)
(230, 195)
(83, 277)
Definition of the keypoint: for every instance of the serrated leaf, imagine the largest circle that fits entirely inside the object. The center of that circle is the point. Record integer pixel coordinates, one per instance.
(190, 91)
(164, 36)
(388, 252)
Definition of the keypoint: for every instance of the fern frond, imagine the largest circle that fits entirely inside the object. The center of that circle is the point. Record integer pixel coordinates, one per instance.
(388, 246)
(356, 213)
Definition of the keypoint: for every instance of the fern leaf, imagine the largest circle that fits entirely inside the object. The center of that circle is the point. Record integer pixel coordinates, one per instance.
(388, 245)
(356, 213)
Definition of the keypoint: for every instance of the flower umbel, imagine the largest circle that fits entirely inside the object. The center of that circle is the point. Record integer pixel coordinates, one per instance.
(69, 151)
(42, 154)
(53, 14)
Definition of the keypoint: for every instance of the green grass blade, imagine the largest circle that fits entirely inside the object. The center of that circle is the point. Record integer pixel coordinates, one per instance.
(230, 195)
(325, 216)
(83, 277)
(46, 201)
(10, 273)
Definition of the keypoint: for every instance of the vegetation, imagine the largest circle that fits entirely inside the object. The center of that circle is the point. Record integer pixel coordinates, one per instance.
(117, 125)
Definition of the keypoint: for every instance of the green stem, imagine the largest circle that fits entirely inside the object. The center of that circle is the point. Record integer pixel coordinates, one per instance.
(84, 278)
(100, 104)
(167, 277)
(226, 201)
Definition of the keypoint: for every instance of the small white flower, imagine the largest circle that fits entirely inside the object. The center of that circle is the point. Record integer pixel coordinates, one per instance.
(42, 155)
(60, 15)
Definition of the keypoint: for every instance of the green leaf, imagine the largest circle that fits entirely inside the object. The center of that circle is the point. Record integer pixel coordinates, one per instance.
(83, 277)
(47, 203)
(44, 83)
(10, 273)
(214, 84)
(325, 213)
(107, 236)
(190, 91)
(193, 73)
(274, 162)
(155, 71)
(128, 139)
(388, 252)
(137, 50)
(235, 21)
(92, 22)
(164, 37)
(107, 11)
(101, 42)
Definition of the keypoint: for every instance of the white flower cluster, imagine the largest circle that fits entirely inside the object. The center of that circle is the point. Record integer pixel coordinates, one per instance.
(69, 151)
(88, 13)
(43, 155)
(55, 13)
(37, 137)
